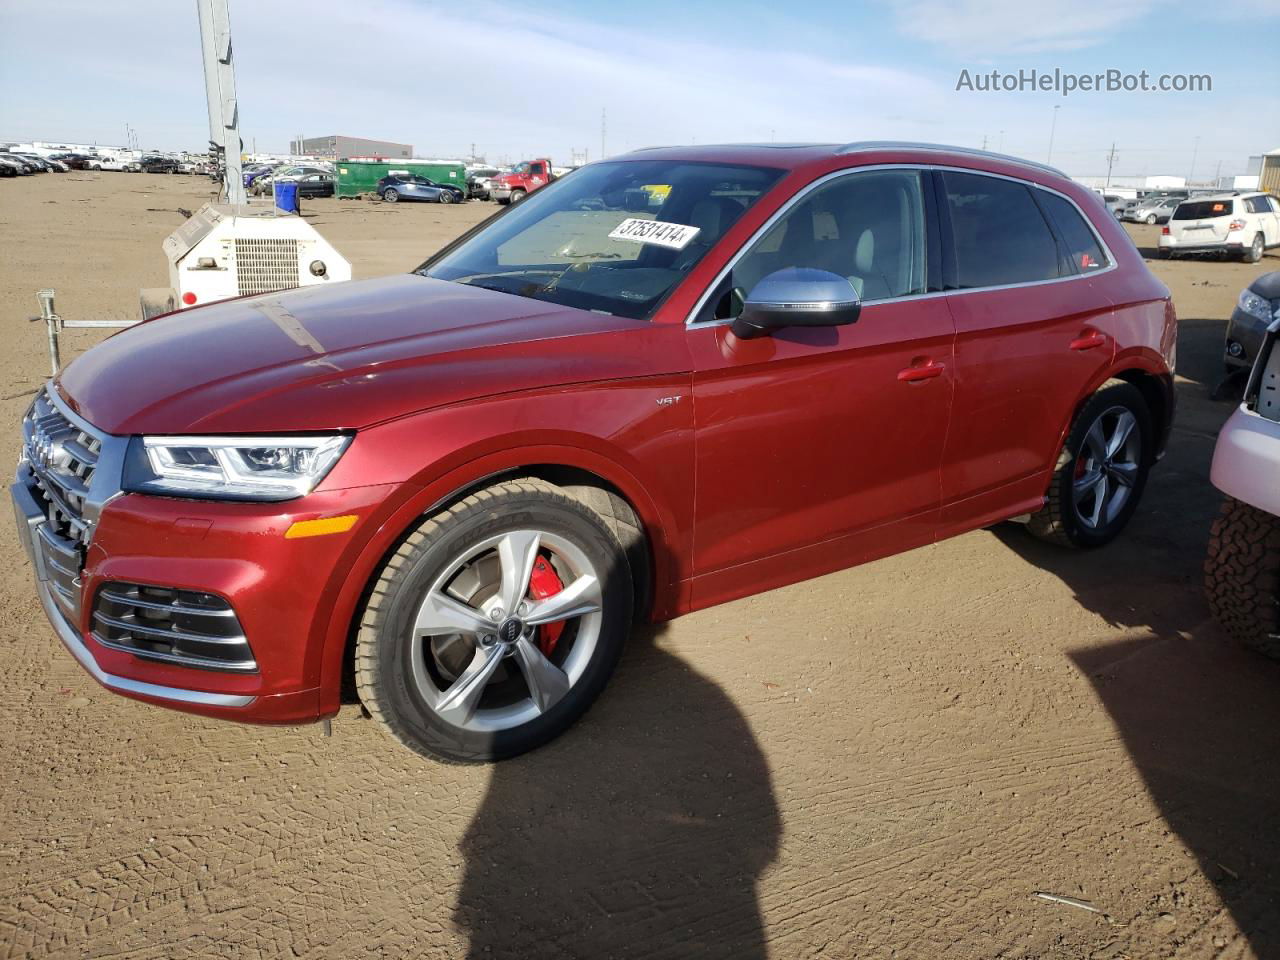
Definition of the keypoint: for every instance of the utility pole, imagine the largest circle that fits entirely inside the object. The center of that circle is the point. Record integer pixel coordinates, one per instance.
(220, 90)
(603, 152)
(1053, 128)
(1000, 147)
(1194, 150)
(984, 141)
(1111, 159)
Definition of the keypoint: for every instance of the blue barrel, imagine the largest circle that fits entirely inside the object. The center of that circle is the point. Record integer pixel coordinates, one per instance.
(286, 195)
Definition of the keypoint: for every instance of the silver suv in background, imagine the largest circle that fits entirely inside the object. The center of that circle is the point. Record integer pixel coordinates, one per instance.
(1244, 225)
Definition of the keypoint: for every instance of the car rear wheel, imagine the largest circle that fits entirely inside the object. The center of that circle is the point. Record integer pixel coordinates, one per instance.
(1101, 471)
(391, 195)
(1256, 249)
(495, 625)
(1242, 575)
(517, 196)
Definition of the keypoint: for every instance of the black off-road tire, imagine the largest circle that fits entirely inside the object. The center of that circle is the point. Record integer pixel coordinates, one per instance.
(383, 651)
(1056, 520)
(1242, 575)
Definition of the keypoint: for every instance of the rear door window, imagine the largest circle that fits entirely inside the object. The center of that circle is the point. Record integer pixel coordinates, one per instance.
(1000, 235)
(1204, 209)
(1082, 244)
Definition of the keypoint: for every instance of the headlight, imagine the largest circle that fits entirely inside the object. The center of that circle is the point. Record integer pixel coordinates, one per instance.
(231, 468)
(1255, 306)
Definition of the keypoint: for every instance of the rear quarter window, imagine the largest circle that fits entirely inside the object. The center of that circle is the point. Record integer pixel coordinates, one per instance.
(1204, 209)
(1082, 244)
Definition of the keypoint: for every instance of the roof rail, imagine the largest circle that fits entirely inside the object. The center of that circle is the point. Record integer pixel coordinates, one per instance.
(862, 146)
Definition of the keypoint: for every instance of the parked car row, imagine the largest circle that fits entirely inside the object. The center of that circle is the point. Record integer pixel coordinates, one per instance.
(23, 164)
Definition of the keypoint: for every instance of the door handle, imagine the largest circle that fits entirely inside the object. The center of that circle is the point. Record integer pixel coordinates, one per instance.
(1088, 341)
(923, 371)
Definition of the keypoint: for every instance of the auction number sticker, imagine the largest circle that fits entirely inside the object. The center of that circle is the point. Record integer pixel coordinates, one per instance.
(677, 236)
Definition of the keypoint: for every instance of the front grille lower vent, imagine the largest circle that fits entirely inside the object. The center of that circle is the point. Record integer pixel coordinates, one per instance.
(266, 265)
(177, 626)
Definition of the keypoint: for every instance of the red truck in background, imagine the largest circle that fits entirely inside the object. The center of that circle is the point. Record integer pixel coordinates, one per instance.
(524, 178)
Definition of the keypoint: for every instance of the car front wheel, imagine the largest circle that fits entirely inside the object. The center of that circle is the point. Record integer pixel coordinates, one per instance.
(495, 625)
(1101, 471)
(446, 196)
(517, 196)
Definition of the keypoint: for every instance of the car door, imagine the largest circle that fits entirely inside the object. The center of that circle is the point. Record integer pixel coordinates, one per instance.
(820, 447)
(1031, 335)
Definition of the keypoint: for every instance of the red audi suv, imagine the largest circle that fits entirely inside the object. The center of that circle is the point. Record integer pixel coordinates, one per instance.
(662, 382)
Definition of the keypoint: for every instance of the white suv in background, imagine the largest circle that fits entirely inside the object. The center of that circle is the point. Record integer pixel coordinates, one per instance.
(1246, 224)
(1242, 572)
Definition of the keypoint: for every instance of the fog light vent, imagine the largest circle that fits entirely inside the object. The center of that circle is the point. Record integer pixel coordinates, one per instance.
(185, 627)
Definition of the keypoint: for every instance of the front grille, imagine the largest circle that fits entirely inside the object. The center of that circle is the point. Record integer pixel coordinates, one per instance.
(63, 458)
(187, 627)
(266, 265)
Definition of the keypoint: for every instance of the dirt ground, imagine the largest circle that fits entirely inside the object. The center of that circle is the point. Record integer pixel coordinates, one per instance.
(886, 762)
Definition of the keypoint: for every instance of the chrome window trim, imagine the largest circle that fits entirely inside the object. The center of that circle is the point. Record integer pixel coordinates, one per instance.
(701, 302)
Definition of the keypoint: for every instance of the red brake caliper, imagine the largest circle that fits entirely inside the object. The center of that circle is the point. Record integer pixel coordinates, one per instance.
(545, 583)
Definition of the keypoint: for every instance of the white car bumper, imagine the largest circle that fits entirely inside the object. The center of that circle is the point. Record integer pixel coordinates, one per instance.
(1246, 461)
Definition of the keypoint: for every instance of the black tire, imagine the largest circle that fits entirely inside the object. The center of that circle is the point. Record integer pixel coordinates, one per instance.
(1256, 249)
(517, 196)
(391, 195)
(1151, 219)
(1242, 575)
(1059, 521)
(384, 651)
(446, 196)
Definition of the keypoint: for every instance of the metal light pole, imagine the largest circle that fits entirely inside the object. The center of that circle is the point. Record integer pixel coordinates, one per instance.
(220, 90)
(1192, 173)
(1053, 128)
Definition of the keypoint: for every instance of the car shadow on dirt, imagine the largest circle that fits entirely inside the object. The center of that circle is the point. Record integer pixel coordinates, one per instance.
(639, 833)
(1199, 715)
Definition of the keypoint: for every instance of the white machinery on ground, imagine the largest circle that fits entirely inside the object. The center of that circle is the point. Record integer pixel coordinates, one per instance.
(227, 251)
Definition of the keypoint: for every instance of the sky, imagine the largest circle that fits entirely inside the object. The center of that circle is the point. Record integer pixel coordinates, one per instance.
(533, 79)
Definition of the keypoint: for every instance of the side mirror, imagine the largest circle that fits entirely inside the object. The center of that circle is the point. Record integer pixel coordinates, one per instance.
(797, 297)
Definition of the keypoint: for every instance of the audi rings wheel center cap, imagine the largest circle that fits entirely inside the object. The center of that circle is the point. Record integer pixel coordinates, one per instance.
(510, 629)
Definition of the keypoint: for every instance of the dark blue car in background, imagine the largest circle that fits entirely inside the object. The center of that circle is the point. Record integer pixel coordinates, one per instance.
(409, 186)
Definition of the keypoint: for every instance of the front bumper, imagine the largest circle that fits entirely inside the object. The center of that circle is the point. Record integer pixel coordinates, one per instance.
(499, 192)
(1249, 332)
(282, 590)
(1246, 460)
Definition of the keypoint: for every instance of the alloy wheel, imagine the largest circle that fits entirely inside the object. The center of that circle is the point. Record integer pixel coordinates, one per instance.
(1107, 467)
(506, 630)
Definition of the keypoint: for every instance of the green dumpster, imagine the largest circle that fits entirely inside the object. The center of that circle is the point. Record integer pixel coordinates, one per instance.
(358, 177)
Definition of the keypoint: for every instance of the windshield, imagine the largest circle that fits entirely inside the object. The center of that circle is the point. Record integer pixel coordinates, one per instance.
(611, 237)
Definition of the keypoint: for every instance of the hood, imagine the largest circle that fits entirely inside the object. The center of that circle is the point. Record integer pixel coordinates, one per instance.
(345, 356)
(1267, 286)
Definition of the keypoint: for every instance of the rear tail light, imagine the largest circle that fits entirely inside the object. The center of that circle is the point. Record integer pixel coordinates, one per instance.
(1235, 225)
(1164, 231)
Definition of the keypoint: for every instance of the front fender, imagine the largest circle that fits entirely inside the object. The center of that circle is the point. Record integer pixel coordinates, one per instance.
(616, 431)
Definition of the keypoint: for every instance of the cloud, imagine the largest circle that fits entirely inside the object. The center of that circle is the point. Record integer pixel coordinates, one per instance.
(986, 27)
